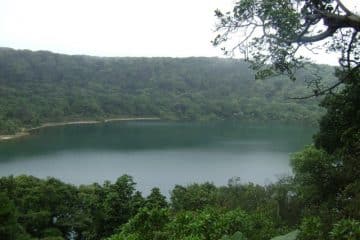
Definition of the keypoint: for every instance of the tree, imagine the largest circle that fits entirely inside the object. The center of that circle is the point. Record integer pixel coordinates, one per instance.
(147, 224)
(117, 203)
(276, 31)
(156, 199)
(193, 197)
(10, 229)
(8, 222)
(273, 33)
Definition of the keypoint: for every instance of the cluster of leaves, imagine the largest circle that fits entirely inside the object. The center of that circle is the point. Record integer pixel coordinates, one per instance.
(38, 87)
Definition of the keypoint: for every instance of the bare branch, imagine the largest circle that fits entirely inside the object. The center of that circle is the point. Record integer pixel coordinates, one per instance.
(353, 37)
(318, 92)
(321, 92)
(245, 39)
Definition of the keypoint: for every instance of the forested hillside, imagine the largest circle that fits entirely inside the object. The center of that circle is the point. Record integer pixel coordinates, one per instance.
(38, 87)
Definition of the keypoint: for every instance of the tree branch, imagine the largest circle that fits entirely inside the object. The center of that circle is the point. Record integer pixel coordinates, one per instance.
(317, 92)
(345, 9)
(353, 37)
(333, 22)
(328, 33)
(329, 89)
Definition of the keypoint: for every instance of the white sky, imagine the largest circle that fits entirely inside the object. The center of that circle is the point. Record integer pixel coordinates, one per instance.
(173, 28)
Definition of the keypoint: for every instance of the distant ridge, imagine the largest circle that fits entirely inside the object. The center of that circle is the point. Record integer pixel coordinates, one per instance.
(40, 86)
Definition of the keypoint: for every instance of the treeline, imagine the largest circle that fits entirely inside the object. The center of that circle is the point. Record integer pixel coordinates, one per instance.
(51, 209)
(31, 208)
(38, 87)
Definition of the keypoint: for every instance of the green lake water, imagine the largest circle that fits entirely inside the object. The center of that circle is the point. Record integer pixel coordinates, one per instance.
(156, 153)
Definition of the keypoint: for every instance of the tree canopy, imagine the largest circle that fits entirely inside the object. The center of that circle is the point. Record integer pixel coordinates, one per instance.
(273, 35)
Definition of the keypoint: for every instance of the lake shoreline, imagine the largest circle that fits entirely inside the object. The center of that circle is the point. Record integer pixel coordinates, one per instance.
(26, 132)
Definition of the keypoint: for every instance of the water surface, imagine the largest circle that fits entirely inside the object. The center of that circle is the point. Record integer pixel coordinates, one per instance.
(158, 154)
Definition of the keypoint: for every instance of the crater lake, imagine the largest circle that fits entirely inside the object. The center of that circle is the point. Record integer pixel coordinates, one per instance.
(156, 153)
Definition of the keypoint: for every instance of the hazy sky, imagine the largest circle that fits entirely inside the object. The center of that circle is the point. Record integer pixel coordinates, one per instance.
(175, 28)
(111, 27)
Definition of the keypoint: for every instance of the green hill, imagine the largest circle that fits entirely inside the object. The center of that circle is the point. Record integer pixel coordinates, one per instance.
(38, 87)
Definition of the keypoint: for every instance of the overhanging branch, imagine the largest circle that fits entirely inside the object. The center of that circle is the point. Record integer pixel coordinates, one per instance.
(328, 33)
(344, 8)
(318, 92)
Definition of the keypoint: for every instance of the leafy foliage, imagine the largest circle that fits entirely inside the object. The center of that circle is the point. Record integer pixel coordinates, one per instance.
(327, 177)
(310, 228)
(51, 209)
(274, 34)
(9, 227)
(206, 224)
(346, 229)
(147, 224)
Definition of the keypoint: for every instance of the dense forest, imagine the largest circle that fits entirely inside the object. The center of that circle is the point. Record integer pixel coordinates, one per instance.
(31, 208)
(50, 209)
(39, 87)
